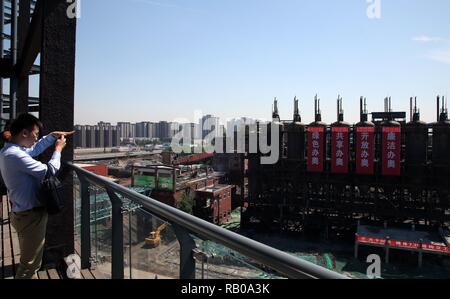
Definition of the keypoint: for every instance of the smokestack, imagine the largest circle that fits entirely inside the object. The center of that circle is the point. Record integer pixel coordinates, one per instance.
(295, 105)
(275, 114)
(315, 105)
(340, 110)
(416, 113)
(338, 107)
(446, 105)
(411, 109)
(318, 117)
(390, 107)
(438, 105)
(386, 104)
(444, 116)
(361, 111)
(297, 117)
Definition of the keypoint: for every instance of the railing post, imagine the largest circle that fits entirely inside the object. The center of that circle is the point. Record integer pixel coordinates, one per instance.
(85, 224)
(187, 245)
(117, 236)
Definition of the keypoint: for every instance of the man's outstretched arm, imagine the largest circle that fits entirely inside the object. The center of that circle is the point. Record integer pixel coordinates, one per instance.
(41, 146)
(46, 142)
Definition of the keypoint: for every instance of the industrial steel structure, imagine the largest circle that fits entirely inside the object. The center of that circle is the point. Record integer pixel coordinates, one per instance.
(37, 39)
(386, 170)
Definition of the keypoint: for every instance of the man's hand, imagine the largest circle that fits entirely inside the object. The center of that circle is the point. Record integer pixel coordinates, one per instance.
(60, 144)
(59, 134)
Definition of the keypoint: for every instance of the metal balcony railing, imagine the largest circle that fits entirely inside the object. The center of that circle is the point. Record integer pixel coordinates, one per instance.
(198, 240)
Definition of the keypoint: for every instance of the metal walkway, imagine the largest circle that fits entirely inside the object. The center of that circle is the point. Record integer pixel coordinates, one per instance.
(10, 251)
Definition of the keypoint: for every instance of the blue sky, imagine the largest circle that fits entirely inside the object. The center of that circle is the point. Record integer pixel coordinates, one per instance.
(163, 59)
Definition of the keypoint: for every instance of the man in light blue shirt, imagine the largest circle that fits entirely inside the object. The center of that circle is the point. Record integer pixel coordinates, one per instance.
(24, 182)
(23, 176)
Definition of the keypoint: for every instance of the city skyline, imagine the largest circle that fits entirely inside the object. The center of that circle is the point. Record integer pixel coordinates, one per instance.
(290, 116)
(107, 134)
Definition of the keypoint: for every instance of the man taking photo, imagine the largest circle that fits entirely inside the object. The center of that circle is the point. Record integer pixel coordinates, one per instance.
(23, 176)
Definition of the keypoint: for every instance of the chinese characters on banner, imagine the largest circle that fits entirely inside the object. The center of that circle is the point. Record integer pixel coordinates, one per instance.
(315, 149)
(365, 150)
(339, 149)
(371, 240)
(391, 151)
(439, 248)
(403, 244)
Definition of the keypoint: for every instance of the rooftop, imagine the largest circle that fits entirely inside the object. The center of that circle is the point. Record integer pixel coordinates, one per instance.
(214, 188)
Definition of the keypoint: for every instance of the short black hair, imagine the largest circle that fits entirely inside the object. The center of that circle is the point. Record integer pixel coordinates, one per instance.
(24, 121)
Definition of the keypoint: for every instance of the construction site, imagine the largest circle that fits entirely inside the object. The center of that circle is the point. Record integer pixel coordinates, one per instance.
(337, 192)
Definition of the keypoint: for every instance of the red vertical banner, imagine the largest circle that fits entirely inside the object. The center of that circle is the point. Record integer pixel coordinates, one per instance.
(315, 149)
(391, 151)
(365, 150)
(339, 149)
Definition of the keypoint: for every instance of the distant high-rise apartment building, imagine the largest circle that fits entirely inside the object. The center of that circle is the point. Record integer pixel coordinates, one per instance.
(140, 130)
(106, 130)
(208, 124)
(163, 130)
(90, 136)
(115, 131)
(125, 129)
(150, 129)
(133, 131)
(154, 130)
(99, 136)
(192, 133)
(143, 130)
(80, 136)
(174, 129)
(106, 135)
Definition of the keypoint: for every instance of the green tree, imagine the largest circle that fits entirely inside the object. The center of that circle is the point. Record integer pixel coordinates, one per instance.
(186, 203)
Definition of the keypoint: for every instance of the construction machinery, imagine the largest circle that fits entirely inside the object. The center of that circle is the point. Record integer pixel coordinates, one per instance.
(154, 239)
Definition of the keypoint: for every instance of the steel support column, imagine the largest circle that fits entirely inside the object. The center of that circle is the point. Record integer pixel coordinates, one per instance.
(24, 23)
(85, 221)
(187, 245)
(13, 85)
(56, 110)
(33, 41)
(2, 22)
(117, 267)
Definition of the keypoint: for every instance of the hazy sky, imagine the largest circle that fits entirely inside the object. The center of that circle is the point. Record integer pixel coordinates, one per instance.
(163, 59)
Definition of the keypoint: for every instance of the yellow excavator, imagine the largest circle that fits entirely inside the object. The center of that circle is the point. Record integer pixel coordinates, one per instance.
(154, 239)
